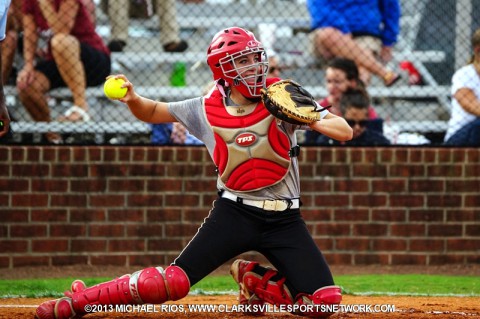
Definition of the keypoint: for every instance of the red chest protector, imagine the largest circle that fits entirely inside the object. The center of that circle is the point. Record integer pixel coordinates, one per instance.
(251, 152)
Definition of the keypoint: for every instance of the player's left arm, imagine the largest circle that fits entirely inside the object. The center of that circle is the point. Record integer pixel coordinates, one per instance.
(334, 127)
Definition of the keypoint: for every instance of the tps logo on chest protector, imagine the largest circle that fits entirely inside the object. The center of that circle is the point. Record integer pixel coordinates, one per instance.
(245, 139)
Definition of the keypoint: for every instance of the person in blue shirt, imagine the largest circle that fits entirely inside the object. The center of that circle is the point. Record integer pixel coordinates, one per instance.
(354, 106)
(172, 134)
(363, 31)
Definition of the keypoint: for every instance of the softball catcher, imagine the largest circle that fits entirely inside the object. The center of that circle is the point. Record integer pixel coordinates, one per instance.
(249, 131)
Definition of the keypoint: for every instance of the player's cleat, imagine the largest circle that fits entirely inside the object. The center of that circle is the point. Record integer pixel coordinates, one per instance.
(245, 297)
(56, 309)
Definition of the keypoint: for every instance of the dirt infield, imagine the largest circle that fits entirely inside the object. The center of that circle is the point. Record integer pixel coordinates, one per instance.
(405, 307)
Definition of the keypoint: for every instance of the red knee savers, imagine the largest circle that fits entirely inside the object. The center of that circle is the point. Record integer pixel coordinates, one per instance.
(330, 295)
(178, 282)
(155, 285)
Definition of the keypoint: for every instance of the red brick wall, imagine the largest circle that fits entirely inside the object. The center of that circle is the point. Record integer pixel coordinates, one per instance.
(141, 205)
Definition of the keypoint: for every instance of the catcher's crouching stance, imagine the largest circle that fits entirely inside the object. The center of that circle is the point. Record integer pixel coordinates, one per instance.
(248, 123)
(155, 285)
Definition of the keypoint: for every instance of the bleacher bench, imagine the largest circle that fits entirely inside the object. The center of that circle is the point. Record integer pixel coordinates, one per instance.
(81, 127)
(206, 17)
(166, 93)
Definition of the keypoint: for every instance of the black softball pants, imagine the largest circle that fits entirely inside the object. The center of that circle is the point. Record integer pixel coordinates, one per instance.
(282, 237)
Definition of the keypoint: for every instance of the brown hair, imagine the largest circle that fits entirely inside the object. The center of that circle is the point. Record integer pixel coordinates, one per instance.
(356, 98)
(475, 43)
(349, 67)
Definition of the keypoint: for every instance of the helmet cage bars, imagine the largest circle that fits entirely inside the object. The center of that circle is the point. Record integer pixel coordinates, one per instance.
(254, 82)
(227, 47)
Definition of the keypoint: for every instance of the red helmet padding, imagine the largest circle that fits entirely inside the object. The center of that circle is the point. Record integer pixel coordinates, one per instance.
(266, 174)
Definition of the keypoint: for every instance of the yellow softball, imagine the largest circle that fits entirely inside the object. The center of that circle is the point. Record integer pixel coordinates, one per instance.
(113, 88)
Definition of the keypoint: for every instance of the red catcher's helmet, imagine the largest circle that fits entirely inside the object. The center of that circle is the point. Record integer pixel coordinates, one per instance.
(229, 45)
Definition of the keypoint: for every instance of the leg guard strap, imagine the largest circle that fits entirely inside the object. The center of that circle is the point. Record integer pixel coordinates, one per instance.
(274, 292)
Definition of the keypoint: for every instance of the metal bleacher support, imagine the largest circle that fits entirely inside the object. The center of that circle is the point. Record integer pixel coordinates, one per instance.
(200, 21)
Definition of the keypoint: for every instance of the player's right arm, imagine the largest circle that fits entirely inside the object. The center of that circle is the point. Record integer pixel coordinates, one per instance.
(145, 109)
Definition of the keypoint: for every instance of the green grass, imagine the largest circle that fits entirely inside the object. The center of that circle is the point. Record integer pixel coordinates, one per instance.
(410, 284)
(427, 285)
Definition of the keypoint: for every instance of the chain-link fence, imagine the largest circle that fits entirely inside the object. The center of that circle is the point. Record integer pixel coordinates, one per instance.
(164, 55)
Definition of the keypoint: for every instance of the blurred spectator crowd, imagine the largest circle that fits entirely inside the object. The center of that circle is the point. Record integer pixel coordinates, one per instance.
(350, 53)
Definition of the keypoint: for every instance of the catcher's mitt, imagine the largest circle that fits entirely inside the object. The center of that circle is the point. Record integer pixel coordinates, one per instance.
(289, 102)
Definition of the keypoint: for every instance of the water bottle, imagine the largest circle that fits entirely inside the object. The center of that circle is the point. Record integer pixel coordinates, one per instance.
(178, 76)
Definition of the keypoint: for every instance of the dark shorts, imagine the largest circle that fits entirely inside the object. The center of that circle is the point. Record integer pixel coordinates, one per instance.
(97, 66)
(468, 135)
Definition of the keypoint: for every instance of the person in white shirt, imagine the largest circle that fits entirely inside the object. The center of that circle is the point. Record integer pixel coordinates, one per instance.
(464, 124)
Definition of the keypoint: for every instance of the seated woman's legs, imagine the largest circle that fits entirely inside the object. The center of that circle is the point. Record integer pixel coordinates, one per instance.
(66, 53)
(331, 42)
(33, 98)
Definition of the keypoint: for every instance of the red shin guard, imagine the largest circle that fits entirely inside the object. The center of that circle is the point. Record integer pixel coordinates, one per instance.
(150, 285)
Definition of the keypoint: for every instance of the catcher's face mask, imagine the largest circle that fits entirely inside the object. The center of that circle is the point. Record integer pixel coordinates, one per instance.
(246, 71)
(239, 59)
